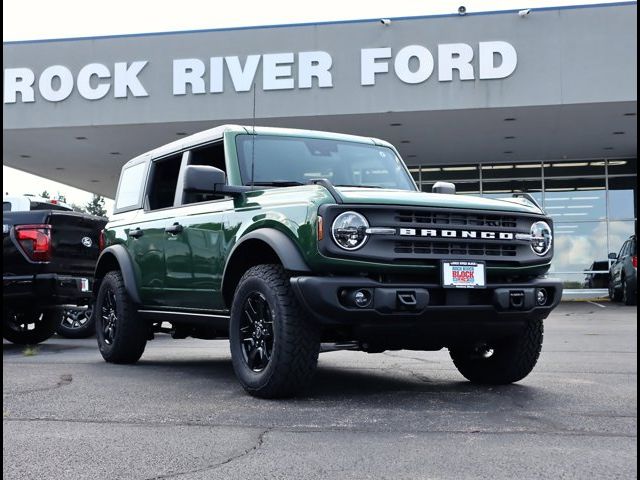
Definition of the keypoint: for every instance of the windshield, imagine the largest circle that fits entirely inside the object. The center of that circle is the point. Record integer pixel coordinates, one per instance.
(295, 160)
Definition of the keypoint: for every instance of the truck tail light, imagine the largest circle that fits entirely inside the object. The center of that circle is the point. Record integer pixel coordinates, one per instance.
(634, 261)
(35, 241)
(101, 240)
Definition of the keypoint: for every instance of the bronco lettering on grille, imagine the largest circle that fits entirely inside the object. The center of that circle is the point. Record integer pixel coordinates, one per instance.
(430, 232)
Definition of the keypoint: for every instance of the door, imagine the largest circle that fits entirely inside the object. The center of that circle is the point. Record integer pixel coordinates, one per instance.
(147, 236)
(194, 245)
(194, 255)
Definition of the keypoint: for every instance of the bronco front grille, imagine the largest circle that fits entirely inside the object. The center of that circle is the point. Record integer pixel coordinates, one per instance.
(454, 219)
(460, 249)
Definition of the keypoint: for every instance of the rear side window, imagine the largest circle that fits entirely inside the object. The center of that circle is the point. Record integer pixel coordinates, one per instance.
(131, 183)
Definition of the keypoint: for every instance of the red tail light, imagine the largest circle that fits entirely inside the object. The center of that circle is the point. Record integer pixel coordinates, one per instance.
(634, 260)
(35, 241)
(102, 242)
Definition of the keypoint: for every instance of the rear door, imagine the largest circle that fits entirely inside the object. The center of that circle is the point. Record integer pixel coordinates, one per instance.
(147, 235)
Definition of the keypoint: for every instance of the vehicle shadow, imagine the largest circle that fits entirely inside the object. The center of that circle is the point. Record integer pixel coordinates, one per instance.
(333, 383)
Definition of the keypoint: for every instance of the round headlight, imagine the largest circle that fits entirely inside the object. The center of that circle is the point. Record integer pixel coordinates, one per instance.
(541, 238)
(349, 230)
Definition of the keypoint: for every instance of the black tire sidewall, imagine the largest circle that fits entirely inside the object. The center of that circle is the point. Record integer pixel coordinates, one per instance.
(130, 337)
(250, 379)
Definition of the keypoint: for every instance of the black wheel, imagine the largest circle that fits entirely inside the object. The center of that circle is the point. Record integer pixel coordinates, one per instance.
(628, 295)
(274, 350)
(505, 362)
(121, 334)
(29, 327)
(614, 295)
(77, 322)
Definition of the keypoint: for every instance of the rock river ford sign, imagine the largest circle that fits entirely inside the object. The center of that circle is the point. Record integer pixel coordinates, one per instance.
(412, 64)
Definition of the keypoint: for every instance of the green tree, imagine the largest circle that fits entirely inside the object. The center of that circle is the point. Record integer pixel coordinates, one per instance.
(45, 194)
(96, 206)
(78, 208)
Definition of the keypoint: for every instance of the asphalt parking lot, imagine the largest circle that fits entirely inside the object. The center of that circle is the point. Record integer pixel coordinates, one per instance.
(179, 413)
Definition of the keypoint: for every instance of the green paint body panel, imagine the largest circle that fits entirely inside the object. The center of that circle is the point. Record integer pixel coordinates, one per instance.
(186, 270)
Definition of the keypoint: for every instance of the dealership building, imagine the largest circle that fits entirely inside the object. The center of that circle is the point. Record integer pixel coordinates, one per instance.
(543, 102)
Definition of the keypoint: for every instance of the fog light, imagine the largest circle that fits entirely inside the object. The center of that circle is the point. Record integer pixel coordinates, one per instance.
(541, 296)
(362, 298)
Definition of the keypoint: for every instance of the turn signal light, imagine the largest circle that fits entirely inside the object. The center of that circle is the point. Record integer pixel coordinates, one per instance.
(35, 241)
(320, 228)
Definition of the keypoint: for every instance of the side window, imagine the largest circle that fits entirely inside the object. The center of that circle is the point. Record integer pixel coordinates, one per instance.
(164, 179)
(623, 250)
(212, 155)
(131, 184)
(6, 206)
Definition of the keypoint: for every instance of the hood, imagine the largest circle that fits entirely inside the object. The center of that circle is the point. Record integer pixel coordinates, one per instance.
(372, 196)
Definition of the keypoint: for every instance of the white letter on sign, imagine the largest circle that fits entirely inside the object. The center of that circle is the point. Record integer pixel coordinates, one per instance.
(275, 66)
(65, 87)
(188, 71)
(425, 64)
(18, 80)
(368, 65)
(127, 78)
(84, 81)
(242, 78)
(509, 59)
(455, 56)
(314, 64)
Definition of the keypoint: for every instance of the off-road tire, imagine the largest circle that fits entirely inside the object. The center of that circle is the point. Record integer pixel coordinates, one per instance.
(628, 296)
(70, 326)
(296, 342)
(130, 337)
(511, 361)
(15, 325)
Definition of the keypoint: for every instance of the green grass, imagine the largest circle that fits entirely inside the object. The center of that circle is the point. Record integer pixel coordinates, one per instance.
(30, 351)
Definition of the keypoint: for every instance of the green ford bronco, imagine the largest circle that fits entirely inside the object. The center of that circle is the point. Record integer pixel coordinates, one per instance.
(282, 240)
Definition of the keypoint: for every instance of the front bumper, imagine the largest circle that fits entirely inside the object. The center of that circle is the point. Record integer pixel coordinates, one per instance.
(330, 301)
(46, 290)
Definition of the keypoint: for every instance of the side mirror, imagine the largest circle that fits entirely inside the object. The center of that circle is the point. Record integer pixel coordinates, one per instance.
(444, 187)
(613, 256)
(207, 179)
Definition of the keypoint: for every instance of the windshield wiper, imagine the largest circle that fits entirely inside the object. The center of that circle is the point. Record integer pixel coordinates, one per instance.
(278, 183)
(360, 186)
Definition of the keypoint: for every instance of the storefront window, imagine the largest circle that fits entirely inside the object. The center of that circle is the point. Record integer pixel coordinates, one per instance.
(578, 245)
(578, 199)
(622, 197)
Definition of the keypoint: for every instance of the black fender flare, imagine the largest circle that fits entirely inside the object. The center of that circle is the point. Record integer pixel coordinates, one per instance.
(125, 263)
(280, 243)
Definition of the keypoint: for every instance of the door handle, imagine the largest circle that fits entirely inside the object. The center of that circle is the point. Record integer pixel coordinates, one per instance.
(135, 233)
(174, 229)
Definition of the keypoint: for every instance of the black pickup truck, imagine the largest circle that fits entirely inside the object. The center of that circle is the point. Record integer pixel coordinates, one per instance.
(48, 255)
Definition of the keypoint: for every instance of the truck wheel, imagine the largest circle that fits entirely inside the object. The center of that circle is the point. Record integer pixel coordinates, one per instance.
(274, 350)
(29, 327)
(628, 296)
(121, 335)
(506, 362)
(77, 323)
